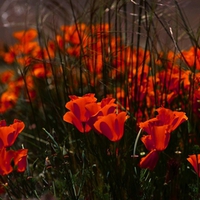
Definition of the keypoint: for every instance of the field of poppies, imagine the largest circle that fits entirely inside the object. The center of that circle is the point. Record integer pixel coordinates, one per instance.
(101, 107)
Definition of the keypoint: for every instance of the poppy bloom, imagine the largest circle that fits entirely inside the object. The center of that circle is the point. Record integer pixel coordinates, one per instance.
(103, 108)
(8, 100)
(77, 114)
(155, 143)
(192, 57)
(25, 48)
(159, 130)
(9, 57)
(6, 76)
(41, 71)
(5, 162)
(8, 134)
(165, 117)
(111, 125)
(194, 160)
(25, 36)
(75, 34)
(19, 157)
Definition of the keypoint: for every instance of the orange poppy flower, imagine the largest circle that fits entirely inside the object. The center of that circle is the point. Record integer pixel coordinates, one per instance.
(155, 143)
(9, 57)
(25, 35)
(74, 50)
(8, 134)
(60, 41)
(111, 125)
(8, 100)
(6, 76)
(25, 48)
(94, 63)
(20, 159)
(100, 29)
(192, 57)
(5, 162)
(158, 139)
(165, 117)
(41, 71)
(194, 160)
(103, 108)
(77, 114)
(75, 34)
(159, 130)
(49, 51)
(24, 61)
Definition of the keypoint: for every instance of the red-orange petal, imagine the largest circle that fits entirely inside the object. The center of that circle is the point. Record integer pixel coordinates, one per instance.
(111, 125)
(20, 159)
(72, 119)
(17, 126)
(150, 160)
(148, 142)
(194, 160)
(160, 136)
(180, 118)
(5, 162)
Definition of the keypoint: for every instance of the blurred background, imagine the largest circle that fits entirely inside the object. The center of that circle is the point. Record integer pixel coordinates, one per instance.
(21, 14)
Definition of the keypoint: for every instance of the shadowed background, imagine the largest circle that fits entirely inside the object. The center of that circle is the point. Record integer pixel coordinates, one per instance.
(21, 14)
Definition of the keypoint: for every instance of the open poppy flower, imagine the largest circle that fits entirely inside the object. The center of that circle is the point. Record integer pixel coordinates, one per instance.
(8, 134)
(155, 143)
(6, 76)
(103, 108)
(25, 36)
(77, 114)
(8, 100)
(192, 57)
(159, 130)
(165, 117)
(20, 159)
(158, 139)
(111, 125)
(9, 57)
(5, 162)
(41, 71)
(194, 160)
(75, 34)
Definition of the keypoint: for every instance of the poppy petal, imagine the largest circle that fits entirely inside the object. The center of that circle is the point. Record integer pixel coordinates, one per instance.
(150, 160)
(72, 119)
(180, 118)
(148, 142)
(160, 137)
(194, 161)
(104, 125)
(111, 125)
(6, 157)
(20, 159)
(119, 124)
